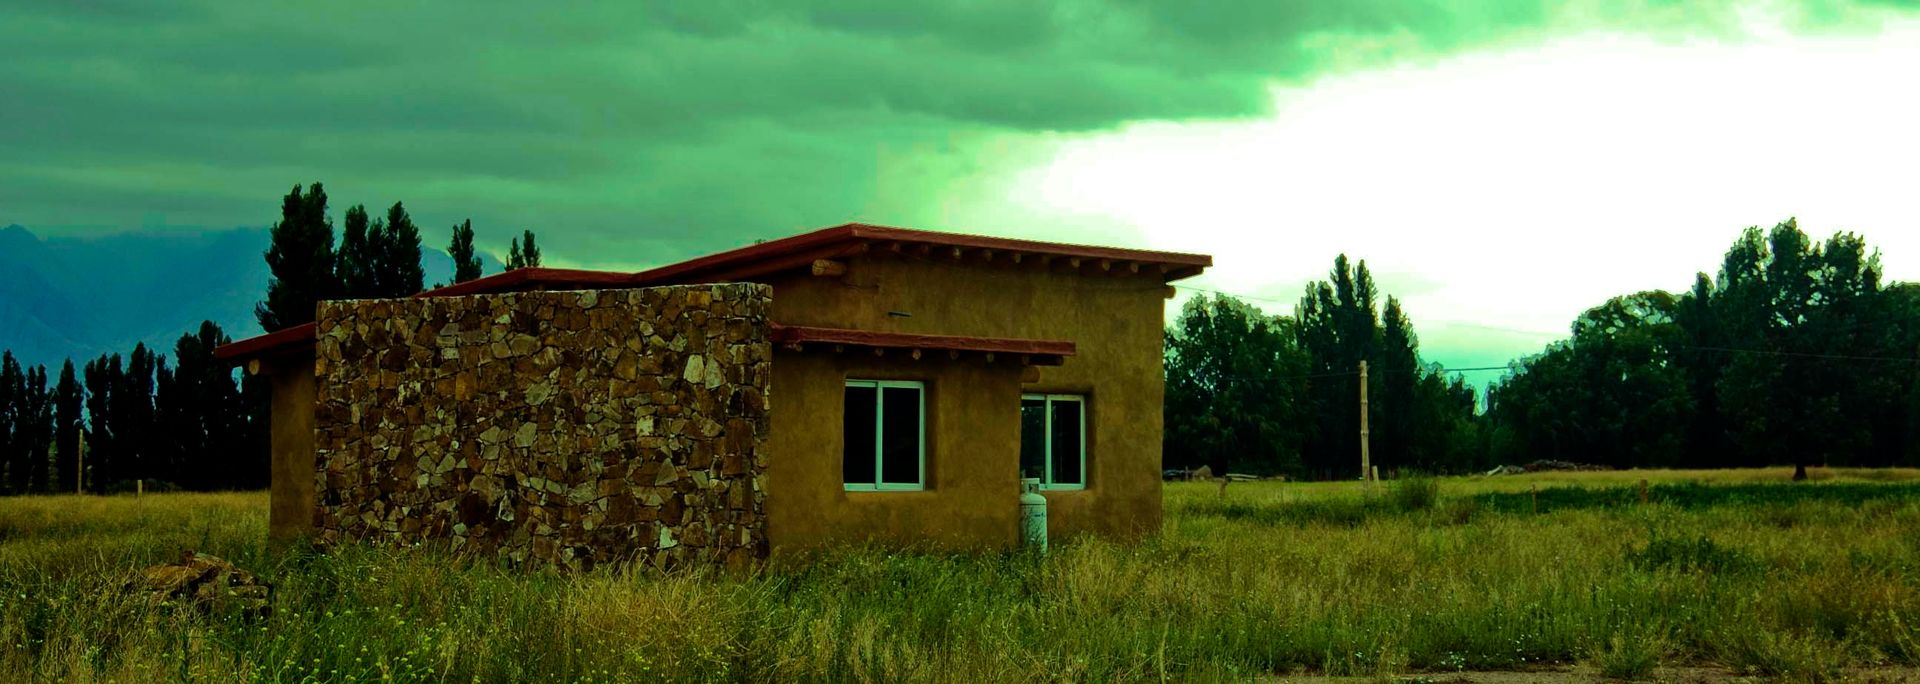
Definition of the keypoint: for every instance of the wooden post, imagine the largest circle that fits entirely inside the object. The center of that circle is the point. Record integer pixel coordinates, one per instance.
(80, 461)
(139, 488)
(1366, 458)
(1643, 490)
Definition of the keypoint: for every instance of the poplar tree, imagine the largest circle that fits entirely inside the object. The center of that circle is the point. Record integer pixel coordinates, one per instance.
(466, 263)
(397, 271)
(300, 259)
(523, 254)
(67, 422)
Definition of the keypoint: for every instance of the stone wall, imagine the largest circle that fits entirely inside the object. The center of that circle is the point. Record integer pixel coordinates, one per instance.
(566, 428)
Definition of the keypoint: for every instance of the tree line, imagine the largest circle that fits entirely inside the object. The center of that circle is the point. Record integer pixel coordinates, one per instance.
(180, 424)
(1795, 353)
(377, 257)
(1270, 394)
(190, 422)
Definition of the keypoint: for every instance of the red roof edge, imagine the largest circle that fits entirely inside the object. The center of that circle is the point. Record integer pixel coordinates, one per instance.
(848, 238)
(1046, 352)
(263, 345)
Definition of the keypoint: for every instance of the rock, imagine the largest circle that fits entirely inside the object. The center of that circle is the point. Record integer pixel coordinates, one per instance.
(548, 428)
(207, 583)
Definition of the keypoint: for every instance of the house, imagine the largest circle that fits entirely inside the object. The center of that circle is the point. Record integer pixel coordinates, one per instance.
(855, 384)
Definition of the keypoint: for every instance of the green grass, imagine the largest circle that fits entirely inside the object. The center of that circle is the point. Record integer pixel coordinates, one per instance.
(1328, 578)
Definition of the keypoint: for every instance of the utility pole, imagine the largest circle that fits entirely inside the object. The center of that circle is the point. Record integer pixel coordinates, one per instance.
(1366, 458)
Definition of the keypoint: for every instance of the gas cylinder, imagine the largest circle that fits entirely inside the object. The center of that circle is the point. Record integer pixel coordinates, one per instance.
(1033, 515)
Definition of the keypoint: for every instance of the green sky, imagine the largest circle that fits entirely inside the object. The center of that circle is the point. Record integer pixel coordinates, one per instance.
(650, 132)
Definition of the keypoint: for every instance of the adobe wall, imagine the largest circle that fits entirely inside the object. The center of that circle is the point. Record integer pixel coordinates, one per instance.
(1116, 319)
(570, 428)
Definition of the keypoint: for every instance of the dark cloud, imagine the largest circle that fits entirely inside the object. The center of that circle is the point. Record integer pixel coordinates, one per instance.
(636, 132)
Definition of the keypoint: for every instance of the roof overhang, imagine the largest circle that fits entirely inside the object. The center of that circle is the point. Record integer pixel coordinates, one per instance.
(856, 238)
(1029, 351)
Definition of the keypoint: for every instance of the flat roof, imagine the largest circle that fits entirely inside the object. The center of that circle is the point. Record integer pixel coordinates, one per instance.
(753, 261)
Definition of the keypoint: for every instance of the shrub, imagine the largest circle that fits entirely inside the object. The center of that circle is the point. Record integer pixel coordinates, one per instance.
(1417, 493)
(1697, 554)
(1630, 655)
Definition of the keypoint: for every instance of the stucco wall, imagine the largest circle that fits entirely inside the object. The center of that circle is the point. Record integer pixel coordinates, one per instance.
(1116, 318)
(574, 428)
(966, 503)
(290, 429)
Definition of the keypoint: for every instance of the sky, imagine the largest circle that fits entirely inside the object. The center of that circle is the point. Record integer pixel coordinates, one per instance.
(1502, 165)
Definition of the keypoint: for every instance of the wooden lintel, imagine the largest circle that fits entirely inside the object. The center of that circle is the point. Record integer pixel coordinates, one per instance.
(829, 268)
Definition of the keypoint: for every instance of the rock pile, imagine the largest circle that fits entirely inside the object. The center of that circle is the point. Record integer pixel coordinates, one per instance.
(566, 428)
(207, 583)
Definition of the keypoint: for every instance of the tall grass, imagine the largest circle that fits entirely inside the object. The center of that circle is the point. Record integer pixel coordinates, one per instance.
(1269, 578)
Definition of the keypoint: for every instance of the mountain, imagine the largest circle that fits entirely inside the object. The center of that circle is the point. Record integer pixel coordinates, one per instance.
(81, 296)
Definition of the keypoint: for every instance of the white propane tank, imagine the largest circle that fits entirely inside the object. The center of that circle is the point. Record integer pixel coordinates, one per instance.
(1033, 515)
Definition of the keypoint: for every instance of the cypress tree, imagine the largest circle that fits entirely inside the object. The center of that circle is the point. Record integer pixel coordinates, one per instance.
(354, 263)
(301, 260)
(12, 451)
(466, 264)
(67, 422)
(399, 273)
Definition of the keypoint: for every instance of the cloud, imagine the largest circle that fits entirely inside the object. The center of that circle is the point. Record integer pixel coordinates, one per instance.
(630, 134)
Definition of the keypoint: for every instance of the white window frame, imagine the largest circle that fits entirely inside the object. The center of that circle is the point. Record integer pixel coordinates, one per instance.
(1046, 480)
(879, 483)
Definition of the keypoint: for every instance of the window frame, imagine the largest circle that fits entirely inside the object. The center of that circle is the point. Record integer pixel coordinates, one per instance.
(879, 483)
(1046, 478)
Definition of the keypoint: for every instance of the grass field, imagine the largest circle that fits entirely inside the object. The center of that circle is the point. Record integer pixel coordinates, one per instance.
(1739, 572)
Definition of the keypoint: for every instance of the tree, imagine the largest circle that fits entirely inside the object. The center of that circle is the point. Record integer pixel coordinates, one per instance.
(523, 254)
(34, 430)
(1233, 395)
(102, 380)
(198, 405)
(397, 270)
(300, 259)
(12, 450)
(466, 264)
(356, 263)
(67, 422)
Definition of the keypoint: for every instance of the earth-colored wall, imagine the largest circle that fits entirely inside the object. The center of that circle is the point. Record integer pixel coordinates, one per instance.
(570, 428)
(291, 433)
(968, 428)
(1115, 316)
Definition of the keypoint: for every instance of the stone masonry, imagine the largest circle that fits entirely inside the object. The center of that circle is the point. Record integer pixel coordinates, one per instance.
(574, 429)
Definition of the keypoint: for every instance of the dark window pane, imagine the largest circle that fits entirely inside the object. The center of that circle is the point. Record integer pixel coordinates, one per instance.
(1033, 437)
(900, 435)
(1066, 443)
(856, 459)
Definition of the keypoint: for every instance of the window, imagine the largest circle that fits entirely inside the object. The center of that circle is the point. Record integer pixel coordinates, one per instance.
(884, 429)
(1053, 440)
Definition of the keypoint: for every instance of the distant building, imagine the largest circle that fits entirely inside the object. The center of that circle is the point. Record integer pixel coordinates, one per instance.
(853, 384)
